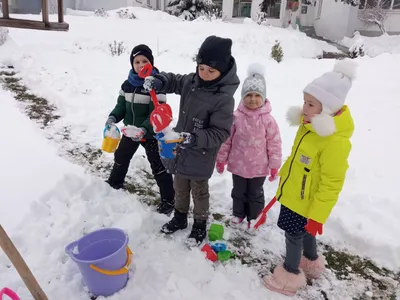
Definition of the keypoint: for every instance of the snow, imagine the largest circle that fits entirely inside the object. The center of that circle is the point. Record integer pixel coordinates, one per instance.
(170, 134)
(374, 46)
(29, 162)
(50, 202)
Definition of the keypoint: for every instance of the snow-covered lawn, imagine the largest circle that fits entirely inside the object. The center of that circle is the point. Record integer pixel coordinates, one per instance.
(48, 202)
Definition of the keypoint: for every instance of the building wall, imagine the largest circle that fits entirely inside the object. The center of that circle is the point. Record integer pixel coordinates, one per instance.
(334, 21)
(307, 19)
(227, 9)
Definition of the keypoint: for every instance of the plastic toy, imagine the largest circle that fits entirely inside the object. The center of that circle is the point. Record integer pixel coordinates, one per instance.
(7, 292)
(216, 232)
(111, 138)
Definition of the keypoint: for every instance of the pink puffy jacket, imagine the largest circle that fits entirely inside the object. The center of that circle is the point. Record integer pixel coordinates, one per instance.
(255, 146)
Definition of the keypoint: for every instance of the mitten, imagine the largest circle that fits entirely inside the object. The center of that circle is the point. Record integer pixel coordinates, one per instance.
(313, 227)
(220, 167)
(133, 132)
(153, 83)
(189, 140)
(110, 121)
(273, 175)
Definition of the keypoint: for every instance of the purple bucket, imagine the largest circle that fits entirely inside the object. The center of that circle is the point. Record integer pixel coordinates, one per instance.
(103, 257)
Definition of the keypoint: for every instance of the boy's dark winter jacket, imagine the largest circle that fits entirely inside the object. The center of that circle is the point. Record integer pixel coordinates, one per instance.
(135, 106)
(206, 111)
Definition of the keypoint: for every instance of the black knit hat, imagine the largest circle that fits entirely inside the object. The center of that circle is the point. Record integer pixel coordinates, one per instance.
(216, 53)
(142, 50)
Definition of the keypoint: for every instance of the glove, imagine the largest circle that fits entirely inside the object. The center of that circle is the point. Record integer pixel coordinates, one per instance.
(153, 83)
(220, 167)
(313, 227)
(189, 140)
(133, 132)
(110, 121)
(273, 175)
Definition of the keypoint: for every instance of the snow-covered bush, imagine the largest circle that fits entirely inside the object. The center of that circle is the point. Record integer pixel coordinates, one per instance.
(3, 35)
(193, 9)
(117, 49)
(125, 14)
(3, 30)
(261, 18)
(101, 13)
(357, 50)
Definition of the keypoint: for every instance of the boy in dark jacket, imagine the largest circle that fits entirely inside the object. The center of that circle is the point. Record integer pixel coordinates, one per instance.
(134, 108)
(205, 119)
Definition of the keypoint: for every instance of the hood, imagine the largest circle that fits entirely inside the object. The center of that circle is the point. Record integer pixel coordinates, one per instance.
(341, 124)
(264, 109)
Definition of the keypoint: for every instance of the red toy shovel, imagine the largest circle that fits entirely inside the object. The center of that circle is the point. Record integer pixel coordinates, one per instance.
(161, 116)
(262, 217)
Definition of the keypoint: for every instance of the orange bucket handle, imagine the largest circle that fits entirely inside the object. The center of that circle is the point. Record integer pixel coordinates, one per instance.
(123, 270)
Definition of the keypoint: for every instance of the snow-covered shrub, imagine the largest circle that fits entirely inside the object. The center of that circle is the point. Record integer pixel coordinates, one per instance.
(3, 35)
(117, 49)
(357, 50)
(125, 14)
(277, 52)
(101, 13)
(261, 18)
(3, 30)
(193, 9)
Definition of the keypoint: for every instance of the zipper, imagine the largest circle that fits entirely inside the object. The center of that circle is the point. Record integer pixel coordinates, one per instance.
(132, 110)
(303, 183)
(291, 164)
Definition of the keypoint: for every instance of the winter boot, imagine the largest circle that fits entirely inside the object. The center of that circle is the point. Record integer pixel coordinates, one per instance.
(281, 281)
(236, 222)
(313, 269)
(165, 207)
(117, 176)
(178, 222)
(198, 234)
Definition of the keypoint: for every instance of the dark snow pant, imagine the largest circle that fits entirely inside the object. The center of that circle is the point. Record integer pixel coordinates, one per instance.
(123, 155)
(295, 245)
(200, 195)
(248, 197)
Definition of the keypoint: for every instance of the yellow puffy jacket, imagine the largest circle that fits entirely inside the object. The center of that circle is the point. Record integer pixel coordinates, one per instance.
(313, 175)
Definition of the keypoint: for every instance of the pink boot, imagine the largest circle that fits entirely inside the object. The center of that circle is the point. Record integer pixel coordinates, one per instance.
(284, 282)
(313, 269)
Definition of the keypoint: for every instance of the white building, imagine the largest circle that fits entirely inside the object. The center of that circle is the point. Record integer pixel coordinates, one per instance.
(333, 19)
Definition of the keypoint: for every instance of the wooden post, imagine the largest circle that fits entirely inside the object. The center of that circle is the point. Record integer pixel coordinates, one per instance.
(15, 257)
(6, 11)
(45, 12)
(60, 11)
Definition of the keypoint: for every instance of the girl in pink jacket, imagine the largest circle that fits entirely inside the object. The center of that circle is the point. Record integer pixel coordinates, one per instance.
(254, 149)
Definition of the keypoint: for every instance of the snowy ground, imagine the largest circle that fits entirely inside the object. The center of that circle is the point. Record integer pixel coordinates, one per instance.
(374, 46)
(51, 201)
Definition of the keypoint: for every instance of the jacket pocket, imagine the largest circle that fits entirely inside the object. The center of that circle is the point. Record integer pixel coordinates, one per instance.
(305, 184)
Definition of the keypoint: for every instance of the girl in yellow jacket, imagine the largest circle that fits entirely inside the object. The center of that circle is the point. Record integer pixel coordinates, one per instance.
(313, 175)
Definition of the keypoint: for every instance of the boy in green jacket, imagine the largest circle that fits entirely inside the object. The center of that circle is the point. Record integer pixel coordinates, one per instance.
(134, 108)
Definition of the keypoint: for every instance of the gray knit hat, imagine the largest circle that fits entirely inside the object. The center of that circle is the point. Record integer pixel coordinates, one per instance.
(255, 81)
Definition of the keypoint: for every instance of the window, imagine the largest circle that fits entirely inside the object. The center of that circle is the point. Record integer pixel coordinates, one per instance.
(385, 4)
(396, 4)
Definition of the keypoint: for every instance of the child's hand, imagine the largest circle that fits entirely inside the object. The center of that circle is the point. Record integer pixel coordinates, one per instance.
(273, 175)
(313, 227)
(152, 83)
(133, 132)
(220, 167)
(110, 121)
(189, 140)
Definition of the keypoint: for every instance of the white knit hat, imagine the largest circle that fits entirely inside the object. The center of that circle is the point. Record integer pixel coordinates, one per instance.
(255, 81)
(331, 88)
